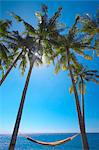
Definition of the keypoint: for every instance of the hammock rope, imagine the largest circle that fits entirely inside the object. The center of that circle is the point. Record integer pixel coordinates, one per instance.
(51, 143)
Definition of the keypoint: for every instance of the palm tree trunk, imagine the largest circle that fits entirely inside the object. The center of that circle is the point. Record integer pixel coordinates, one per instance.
(82, 100)
(12, 65)
(19, 115)
(80, 118)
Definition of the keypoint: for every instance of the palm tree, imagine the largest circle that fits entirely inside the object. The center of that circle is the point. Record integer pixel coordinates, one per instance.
(80, 117)
(75, 42)
(90, 27)
(29, 56)
(81, 78)
(67, 46)
(29, 48)
(33, 45)
(33, 58)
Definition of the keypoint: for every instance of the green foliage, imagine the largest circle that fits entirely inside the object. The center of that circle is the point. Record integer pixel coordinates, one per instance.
(80, 85)
(79, 51)
(90, 27)
(74, 60)
(46, 28)
(28, 27)
(71, 89)
(46, 39)
(92, 75)
(87, 57)
(18, 18)
(2, 70)
(23, 63)
(5, 59)
(39, 16)
(64, 67)
(89, 24)
(4, 26)
(3, 52)
(97, 46)
(53, 20)
(57, 68)
(83, 75)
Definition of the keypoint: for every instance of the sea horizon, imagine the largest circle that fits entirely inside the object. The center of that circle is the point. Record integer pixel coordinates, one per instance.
(50, 133)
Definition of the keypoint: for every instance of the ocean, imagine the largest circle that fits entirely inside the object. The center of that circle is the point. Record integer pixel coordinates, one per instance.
(75, 144)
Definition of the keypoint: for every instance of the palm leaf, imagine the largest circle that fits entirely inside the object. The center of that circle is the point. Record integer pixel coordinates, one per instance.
(87, 57)
(57, 68)
(71, 89)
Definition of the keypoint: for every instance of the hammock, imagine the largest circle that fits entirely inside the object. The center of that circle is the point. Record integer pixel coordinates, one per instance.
(51, 143)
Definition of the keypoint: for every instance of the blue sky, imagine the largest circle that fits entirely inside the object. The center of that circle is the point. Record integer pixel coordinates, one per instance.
(49, 107)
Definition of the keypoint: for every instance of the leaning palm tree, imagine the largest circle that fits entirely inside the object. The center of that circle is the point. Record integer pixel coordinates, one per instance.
(66, 52)
(26, 49)
(30, 49)
(29, 55)
(75, 42)
(32, 59)
(66, 48)
(80, 118)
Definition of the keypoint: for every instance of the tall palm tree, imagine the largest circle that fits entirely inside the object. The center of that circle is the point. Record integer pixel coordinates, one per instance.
(90, 27)
(80, 118)
(33, 45)
(68, 46)
(33, 58)
(29, 55)
(76, 41)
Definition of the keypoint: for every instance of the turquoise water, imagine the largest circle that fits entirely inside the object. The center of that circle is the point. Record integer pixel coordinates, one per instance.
(75, 144)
